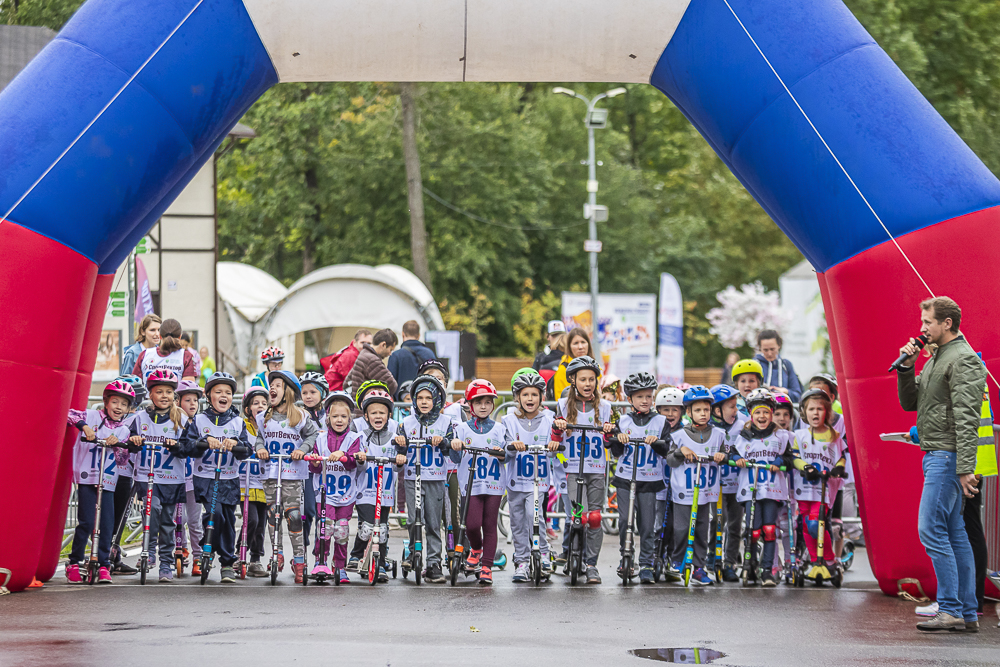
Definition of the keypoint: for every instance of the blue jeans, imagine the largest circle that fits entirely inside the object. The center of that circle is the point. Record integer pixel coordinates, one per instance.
(942, 532)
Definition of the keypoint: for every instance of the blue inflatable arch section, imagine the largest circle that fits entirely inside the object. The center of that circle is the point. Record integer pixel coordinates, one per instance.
(112, 119)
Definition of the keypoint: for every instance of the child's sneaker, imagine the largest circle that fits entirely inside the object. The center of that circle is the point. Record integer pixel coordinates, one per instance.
(700, 577)
(475, 561)
(767, 580)
(546, 567)
(196, 568)
(256, 570)
(352, 565)
(344, 579)
(729, 574)
(228, 575)
(383, 578)
(281, 562)
(73, 574)
(166, 575)
(299, 569)
(485, 576)
(104, 575)
(646, 575)
(520, 573)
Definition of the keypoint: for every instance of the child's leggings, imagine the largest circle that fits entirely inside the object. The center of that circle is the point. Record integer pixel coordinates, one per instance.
(809, 511)
(481, 526)
(337, 532)
(291, 502)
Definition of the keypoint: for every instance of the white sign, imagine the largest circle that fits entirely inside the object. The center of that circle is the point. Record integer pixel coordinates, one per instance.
(592, 246)
(670, 333)
(171, 285)
(626, 324)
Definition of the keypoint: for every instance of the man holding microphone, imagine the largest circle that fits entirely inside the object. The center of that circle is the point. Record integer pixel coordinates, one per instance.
(947, 397)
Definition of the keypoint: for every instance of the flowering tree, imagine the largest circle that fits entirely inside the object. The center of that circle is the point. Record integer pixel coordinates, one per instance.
(744, 313)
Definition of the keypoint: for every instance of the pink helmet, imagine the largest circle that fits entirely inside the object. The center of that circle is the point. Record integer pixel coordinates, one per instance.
(684, 386)
(782, 400)
(161, 376)
(188, 387)
(377, 396)
(272, 353)
(119, 388)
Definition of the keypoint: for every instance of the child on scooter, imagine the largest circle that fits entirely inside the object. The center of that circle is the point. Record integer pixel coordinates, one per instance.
(427, 423)
(640, 422)
(219, 428)
(255, 400)
(161, 425)
(488, 482)
(528, 425)
(188, 398)
(339, 445)
(761, 441)
(284, 429)
(376, 440)
(726, 415)
(314, 391)
(747, 375)
(670, 404)
(696, 440)
(817, 448)
(583, 405)
(89, 469)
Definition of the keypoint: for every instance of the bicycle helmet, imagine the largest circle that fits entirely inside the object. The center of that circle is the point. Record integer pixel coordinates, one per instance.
(684, 386)
(403, 390)
(609, 381)
(311, 377)
(188, 387)
(220, 377)
(722, 393)
(377, 396)
(782, 401)
(582, 363)
(637, 382)
(252, 392)
(138, 387)
(288, 377)
(272, 353)
(526, 380)
(760, 397)
(433, 363)
(161, 376)
(669, 396)
(478, 389)
(818, 394)
(527, 370)
(339, 395)
(366, 386)
(748, 366)
(830, 380)
(119, 388)
(698, 392)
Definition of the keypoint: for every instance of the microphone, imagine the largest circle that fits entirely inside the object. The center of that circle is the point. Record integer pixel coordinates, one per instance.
(919, 341)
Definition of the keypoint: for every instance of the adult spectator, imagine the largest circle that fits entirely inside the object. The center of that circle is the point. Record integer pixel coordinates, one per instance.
(147, 336)
(170, 355)
(577, 345)
(947, 397)
(779, 374)
(370, 364)
(207, 366)
(404, 362)
(727, 370)
(548, 359)
(338, 365)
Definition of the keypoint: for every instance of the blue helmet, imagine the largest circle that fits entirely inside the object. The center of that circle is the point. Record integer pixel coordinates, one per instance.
(289, 379)
(722, 393)
(699, 392)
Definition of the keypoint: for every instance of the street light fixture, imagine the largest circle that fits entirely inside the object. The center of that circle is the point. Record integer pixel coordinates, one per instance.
(596, 119)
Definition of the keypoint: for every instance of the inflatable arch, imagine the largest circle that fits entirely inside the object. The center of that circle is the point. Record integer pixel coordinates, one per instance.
(112, 119)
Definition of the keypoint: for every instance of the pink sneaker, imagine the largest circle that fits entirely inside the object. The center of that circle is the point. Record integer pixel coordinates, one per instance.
(73, 574)
(103, 576)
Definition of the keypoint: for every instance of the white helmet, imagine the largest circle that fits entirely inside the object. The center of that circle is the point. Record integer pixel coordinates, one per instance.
(670, 396)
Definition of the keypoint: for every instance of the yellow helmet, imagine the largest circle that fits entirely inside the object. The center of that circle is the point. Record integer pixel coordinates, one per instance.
(748, 366)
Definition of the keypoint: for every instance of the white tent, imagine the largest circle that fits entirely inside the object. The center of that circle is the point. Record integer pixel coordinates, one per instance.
(261, 311)
(806, 340)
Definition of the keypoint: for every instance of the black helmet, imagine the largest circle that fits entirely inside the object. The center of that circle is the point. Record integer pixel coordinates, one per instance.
(431, 364)
(818, 394)
(220, 377)
(402, 390)
(582, 363)
(637, 382)
(522, 382)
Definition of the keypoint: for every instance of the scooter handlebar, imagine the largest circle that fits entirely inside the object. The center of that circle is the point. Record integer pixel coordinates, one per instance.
(537, 448)
(483, 450)
(122, 444)
(642, 441)
(378, 460)
(754, 464)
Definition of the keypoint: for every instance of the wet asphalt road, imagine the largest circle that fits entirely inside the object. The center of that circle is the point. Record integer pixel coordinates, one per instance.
(252, 623)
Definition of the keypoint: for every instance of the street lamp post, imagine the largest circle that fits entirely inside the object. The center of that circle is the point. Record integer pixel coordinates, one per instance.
(596, 119)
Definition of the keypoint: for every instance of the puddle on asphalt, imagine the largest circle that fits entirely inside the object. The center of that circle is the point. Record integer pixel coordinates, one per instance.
(681, 656)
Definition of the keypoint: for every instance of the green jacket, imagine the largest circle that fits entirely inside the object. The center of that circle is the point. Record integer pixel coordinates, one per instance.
(947, 397)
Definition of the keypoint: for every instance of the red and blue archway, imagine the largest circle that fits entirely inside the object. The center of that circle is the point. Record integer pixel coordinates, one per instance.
(112, 119)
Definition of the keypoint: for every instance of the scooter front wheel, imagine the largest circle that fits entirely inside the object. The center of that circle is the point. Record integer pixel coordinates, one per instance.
(417, 568)
(536, 568)
(456, 565)
(206, 566)
(574, 568)
(143, 569)
(274, 571)
(688, 571)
